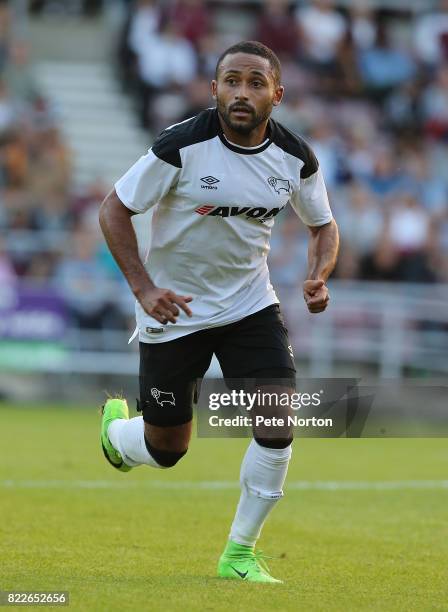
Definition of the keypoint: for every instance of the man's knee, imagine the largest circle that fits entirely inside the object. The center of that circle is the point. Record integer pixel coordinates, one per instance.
(283, 442)
(165, 458)
(167, 445)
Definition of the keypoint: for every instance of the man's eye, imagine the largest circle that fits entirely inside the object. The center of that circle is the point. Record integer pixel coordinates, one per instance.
(231, 81)
(257, 84)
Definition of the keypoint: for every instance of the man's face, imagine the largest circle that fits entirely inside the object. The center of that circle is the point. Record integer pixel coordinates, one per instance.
(245, 91)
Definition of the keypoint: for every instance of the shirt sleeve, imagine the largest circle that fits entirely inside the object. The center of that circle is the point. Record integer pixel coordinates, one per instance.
(311, 201)
(146, 182)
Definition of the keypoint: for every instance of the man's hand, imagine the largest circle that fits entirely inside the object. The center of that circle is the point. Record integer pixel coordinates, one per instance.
(161, 304)
(316, 295)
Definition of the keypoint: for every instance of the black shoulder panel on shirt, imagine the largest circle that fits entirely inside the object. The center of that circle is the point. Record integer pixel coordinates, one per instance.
(297, 146)
(168, 144)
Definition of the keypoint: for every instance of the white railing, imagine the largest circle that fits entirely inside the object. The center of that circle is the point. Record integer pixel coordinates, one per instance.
(394, 329)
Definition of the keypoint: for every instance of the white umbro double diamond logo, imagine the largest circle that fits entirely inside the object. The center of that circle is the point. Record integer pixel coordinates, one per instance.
(210, 182)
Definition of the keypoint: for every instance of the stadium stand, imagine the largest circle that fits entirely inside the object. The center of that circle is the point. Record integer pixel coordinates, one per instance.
(367, 86)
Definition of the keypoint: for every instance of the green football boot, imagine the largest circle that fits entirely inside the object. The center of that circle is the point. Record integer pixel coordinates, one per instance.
(239, 562)
(113, 409)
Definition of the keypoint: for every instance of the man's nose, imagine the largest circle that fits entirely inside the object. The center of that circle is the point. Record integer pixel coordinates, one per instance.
(242, 93)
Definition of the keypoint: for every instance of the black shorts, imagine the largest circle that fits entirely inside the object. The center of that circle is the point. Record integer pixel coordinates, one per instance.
(256, 346)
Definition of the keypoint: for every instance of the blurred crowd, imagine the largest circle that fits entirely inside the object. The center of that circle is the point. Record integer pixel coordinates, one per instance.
(368, 89)
(49, 233)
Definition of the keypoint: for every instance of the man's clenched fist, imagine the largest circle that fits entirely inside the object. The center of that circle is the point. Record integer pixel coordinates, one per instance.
(316, 295)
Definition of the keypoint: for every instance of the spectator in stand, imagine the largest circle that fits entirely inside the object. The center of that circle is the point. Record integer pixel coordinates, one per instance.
(40, 116)
(385, 65)
(167, 59)
(431, 36)
(5, 33)
(326, 145)
(410, 234)
(19, 216)
(409, 225)
(347, 67)
(429, 187)
(84, 282)
(434, 105)
(439, 247)
(287, 260)
(402, 108)
(387, 178)
(7, 273)
(322, 31)
(209, 49)
(14, 162)
(362, 25)
(276, 29)
(144, 22)
(41, 269)
(50, 168)
(88, 198)
(167, 62)
(191, 18)
(359, 160)
(383, 266)
(360, 35)
(198, 97)
(361, 224)
(9, 109)
(18, 74)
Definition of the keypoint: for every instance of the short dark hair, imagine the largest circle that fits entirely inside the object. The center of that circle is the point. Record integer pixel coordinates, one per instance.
(254, 48)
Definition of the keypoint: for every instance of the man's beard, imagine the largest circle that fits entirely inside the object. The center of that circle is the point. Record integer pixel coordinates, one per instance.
(244, 128)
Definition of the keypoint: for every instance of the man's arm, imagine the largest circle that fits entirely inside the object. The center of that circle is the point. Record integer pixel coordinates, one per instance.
(322, 254)
(116, 224)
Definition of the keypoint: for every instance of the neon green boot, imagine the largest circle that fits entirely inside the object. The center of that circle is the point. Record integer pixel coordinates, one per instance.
(239, 562)
(113, 409)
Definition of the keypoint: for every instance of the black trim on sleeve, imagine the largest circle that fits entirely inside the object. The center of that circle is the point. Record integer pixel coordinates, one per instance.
(168, 144)
(295, 145)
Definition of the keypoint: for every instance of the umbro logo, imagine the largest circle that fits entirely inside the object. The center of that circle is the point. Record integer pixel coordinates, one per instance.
(279, 185)
(210, 182)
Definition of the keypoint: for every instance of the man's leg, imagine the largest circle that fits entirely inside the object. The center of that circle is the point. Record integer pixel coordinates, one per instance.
(259, 342)
(262, 476)
(142, 444)
(161, 436)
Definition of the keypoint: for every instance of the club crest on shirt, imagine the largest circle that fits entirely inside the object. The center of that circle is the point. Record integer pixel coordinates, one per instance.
(279, 185)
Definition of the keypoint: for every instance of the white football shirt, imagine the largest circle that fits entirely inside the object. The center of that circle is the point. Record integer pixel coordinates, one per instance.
(214, 208)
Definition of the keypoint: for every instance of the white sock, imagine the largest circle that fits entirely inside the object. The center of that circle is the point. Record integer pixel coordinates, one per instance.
(263, 474)
(127, 436)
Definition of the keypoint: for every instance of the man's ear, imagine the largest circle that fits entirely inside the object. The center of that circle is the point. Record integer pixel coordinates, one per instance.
(214, 89)
(278, 96)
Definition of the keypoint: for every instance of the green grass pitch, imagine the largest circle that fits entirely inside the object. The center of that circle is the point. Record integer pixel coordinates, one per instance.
(150, 539)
